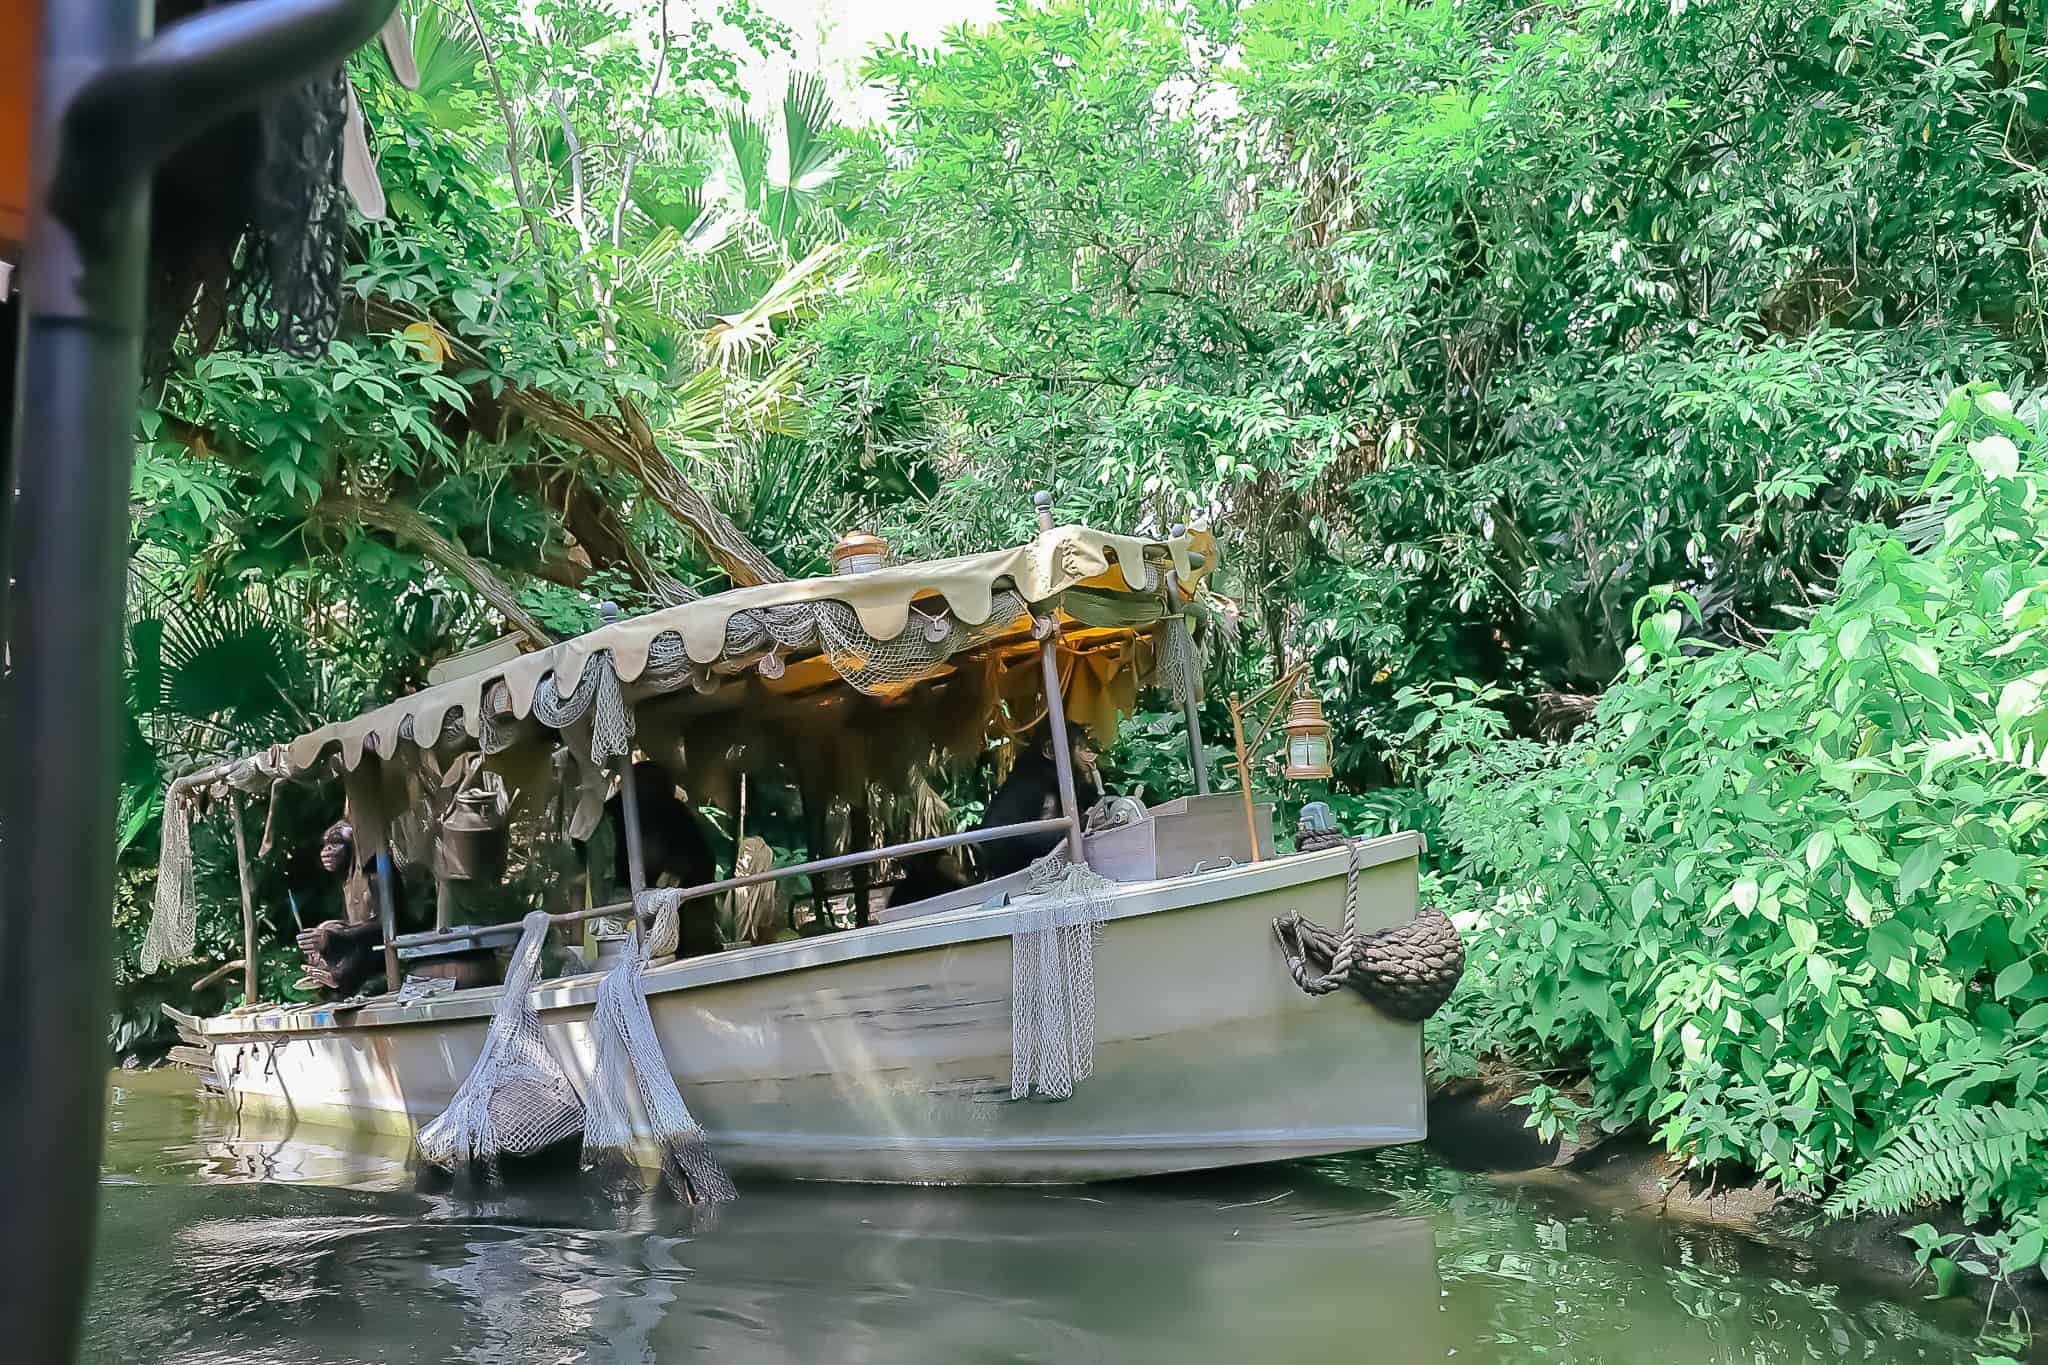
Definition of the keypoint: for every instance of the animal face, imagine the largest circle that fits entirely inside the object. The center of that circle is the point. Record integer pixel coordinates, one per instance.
(338, 847)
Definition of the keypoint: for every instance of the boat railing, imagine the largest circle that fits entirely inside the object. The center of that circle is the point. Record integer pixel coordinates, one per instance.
(836, 863)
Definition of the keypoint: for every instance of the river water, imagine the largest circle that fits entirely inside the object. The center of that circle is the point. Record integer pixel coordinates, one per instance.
(219, 1244)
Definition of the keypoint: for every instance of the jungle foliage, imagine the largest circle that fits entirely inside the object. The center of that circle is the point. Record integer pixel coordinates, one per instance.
(1592, 354)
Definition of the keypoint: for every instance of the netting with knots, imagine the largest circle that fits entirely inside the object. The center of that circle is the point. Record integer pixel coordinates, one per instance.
(516, 1098)
(174, 925)
(597, 696)
(630, 1064)
(1180, 662)
(1052, 970)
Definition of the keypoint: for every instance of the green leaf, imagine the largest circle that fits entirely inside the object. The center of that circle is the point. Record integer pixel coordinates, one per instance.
(2012, 979)
(1854, 631)
(1820, 845)
(1864, 852)
(2000, 867)
(1920, 867)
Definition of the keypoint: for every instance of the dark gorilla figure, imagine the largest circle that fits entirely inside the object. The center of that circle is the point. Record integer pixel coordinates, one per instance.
(675, 849)
(1032, 792)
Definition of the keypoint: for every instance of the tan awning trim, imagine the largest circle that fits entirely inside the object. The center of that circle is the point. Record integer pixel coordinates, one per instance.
(1056, 560)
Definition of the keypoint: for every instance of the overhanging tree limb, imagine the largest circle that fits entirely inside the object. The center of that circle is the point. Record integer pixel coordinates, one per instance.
(405, 523)
(627, 446)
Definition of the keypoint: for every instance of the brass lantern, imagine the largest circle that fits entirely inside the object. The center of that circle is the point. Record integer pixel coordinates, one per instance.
(859, 552)
(1308, 740)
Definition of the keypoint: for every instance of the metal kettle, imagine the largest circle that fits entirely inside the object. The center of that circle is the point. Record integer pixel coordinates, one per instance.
(471, 846)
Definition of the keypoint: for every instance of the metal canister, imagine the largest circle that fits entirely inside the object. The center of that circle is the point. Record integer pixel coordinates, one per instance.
(471, 847)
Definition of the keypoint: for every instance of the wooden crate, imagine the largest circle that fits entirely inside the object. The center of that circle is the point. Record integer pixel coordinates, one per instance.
(1177, 835)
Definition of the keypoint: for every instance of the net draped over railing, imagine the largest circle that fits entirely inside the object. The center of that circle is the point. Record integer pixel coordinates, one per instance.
(174, 921)
(516, 1098)
(1052, 988)
(630, 1066)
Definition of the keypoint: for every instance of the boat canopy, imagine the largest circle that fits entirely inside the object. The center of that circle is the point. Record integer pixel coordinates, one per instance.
(947, 646)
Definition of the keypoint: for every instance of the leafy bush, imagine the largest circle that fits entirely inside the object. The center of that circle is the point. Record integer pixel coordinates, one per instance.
(1782, 904)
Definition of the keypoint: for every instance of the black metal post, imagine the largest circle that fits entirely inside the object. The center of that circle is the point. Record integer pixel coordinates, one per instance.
(108, 110)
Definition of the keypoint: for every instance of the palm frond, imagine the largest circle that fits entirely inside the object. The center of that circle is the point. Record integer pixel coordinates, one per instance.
(737, 338)
(450, 64)
(747, 137)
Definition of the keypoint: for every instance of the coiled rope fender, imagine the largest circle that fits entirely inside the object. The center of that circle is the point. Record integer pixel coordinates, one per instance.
(1407, 971)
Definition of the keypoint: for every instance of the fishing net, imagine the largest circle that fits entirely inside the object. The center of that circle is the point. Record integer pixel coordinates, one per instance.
(284, 291)
(630, 1064)
(1052, 968)
(516, 1099)
(174, 924)
(597, 698)
(1180, 663)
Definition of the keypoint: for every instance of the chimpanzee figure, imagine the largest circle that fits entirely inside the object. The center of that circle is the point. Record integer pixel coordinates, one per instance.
(1032, 792)
(673, 848)
(342, 954)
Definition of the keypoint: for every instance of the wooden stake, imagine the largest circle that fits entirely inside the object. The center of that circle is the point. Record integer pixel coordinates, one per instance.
(248, 904)
(1244, 773)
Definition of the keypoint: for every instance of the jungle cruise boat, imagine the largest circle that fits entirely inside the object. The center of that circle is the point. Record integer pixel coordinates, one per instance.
(1163, 992)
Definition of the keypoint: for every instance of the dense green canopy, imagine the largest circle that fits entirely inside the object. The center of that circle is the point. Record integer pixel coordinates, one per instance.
(1468, 325)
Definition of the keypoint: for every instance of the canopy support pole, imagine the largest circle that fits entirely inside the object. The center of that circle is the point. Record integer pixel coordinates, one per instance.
(629, 809)
(1056, 721)
(387, 917)
(636, 856)
(1189, 708)
(248, 903)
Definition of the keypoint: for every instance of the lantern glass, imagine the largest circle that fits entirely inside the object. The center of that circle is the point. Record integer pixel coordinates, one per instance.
(1308, 756)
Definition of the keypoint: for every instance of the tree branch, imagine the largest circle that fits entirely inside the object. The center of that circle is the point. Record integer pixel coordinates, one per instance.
(404, 522)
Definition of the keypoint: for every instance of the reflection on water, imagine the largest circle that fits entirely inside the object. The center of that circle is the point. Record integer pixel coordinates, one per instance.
(221, 1245)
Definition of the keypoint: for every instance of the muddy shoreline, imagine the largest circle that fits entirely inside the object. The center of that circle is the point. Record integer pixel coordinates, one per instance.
(1475, 1126)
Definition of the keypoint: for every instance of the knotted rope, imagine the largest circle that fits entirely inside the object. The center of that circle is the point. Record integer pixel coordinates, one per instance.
(1407, 971)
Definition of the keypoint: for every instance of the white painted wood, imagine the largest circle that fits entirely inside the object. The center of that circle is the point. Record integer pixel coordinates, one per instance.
(884, 1053)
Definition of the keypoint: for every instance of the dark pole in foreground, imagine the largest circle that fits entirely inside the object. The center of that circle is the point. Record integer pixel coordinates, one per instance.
(65, 529)
(108, 110)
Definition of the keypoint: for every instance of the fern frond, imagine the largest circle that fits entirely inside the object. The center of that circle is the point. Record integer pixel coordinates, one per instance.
(1942, 1154)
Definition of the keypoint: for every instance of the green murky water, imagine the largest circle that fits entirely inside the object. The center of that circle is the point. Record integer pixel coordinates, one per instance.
(218, 1245)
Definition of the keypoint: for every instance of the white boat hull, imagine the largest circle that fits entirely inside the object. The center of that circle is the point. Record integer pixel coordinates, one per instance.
(884, 1054)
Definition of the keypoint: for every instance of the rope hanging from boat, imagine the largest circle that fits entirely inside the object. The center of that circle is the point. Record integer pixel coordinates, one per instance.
(1052, 969)
(1407, 971)
(516, 1099)
(630, 1063)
